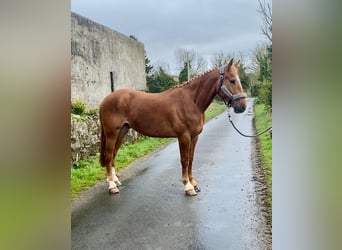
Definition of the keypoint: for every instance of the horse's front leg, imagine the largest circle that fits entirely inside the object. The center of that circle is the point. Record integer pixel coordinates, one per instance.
(184, 148)
(191, 158)
(115, 178)
(112, 180)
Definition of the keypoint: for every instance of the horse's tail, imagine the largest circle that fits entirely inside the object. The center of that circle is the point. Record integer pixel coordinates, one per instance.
(102, 146)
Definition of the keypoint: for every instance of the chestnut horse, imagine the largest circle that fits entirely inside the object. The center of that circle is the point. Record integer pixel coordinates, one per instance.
(177, 112)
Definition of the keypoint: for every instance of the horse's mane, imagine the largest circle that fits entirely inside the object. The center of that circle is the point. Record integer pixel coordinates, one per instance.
(194, 79)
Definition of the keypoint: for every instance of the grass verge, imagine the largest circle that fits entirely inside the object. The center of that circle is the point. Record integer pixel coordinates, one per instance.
(263, 119)
(88, 172)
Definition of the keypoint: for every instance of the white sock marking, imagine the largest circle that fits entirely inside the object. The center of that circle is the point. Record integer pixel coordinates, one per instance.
(188, 186)
(115, 178)
(111, 184)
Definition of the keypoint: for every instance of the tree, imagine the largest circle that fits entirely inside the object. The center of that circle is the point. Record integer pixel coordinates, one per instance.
(148, 71)
(148, 67)
(197, 63)
(244, 77)
(264, 58)
(183, 74)
(219, 59)
(265, 67)
(263, 87)
(160, 81)
(265, 9)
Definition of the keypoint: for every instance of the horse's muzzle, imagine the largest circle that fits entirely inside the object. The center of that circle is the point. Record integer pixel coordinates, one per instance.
(239, 107)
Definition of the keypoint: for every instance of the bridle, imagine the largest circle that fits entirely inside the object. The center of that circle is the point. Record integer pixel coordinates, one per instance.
(226, 91)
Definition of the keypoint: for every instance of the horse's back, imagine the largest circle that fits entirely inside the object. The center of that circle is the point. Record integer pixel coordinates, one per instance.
(129, 102)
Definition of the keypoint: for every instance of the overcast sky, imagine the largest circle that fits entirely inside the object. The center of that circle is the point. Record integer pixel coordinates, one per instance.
(206, 26)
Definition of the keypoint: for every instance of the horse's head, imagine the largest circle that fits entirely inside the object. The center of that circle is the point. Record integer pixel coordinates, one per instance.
(230, 87)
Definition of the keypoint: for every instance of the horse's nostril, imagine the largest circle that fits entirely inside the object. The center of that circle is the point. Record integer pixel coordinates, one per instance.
(239, 108)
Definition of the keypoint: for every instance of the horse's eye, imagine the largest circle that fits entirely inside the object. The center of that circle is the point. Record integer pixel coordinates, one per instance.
(232, 81)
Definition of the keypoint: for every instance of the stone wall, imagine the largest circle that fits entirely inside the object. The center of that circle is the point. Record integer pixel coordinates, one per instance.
(96, 51)
(85, 136)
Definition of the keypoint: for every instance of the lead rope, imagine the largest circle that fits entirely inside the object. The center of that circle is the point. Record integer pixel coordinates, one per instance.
(258, 134)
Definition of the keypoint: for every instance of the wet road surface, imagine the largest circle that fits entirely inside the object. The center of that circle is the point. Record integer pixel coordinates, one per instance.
(152, 212)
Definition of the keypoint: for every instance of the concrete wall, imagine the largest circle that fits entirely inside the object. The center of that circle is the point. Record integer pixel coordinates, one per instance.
(95, 52)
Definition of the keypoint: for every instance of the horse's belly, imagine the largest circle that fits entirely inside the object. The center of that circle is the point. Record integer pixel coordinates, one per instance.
(154, 126)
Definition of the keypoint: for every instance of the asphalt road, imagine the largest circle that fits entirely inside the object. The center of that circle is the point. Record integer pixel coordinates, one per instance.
(152, 212)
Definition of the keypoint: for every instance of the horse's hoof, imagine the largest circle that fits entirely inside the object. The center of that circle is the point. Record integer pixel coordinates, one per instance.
(197, 189)
(190, 192)
(113, 190)
(118, 183)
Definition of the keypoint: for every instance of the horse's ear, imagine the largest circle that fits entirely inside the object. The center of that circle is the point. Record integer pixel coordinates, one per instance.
(230, 63)
(237, 63)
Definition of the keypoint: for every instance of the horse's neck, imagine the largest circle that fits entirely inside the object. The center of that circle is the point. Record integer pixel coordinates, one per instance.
(204, 89)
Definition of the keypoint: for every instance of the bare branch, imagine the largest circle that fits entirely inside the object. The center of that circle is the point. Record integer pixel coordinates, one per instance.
(197, 63)
(219, 59)
(266, 11)
(201, 64)
(183, 55)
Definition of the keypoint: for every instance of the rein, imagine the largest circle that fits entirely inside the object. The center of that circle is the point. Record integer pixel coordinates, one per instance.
(232, 98)
(256, 135)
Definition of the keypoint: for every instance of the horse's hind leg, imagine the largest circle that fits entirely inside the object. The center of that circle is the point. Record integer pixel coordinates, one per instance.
(110, 141)
(119, 141)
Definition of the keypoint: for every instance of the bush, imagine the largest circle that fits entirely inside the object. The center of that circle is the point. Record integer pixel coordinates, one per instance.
(264, 94)
(78, 108)
(93, 112)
